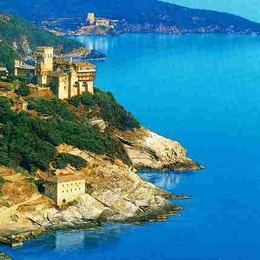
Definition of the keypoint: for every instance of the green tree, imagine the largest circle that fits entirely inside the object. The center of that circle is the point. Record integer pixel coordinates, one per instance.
(23, 90)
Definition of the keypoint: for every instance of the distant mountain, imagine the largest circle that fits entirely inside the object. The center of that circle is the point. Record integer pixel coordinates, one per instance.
(19, 38)
(139, 15)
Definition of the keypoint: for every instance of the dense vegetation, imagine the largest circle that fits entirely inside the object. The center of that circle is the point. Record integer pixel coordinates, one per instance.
(23, 90)
(30, 141)
(110, 110)
(26, 37)
(134, 11)
(64, 159)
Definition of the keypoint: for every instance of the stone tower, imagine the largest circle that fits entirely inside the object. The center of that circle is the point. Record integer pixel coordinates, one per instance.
(44, 59)
(91, 18)
(44, 63)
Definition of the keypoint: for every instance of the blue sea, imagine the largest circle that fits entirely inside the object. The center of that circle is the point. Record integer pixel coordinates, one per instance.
(204, 91)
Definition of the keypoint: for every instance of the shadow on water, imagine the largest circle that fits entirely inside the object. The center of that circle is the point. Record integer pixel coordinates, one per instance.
(165, 180)
(63, 243)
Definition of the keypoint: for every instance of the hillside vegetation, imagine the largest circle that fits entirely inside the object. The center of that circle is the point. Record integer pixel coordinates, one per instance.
(28, 139)
(19, 38)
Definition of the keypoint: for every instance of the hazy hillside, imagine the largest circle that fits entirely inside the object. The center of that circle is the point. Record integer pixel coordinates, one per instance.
(20, 38)
(150, 12)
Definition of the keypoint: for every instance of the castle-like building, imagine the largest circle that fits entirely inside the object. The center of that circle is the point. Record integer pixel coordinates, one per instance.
(92, 20)
(66, 78)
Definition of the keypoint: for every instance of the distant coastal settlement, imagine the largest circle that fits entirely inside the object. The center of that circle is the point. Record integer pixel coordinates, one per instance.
(93, 25)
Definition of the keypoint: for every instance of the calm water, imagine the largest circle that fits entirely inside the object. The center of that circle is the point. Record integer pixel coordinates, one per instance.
(205, 92)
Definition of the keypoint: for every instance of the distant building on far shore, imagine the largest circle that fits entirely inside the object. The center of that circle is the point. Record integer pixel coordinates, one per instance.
(91, 18)
(102, 22)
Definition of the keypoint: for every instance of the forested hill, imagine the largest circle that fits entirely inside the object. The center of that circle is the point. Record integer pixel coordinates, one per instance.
(139, 14)
(50, 122)
(19, 38)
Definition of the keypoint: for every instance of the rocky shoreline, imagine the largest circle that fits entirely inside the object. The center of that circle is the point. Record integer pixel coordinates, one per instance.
(153, 152)
(3, 256)
(114, 190)
(124, 27)
(16, 238)
(83, 54)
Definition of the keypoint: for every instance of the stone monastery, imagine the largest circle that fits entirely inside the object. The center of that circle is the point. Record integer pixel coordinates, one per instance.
(66, 78)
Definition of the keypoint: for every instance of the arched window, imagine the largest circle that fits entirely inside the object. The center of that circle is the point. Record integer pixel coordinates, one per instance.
(76, 85)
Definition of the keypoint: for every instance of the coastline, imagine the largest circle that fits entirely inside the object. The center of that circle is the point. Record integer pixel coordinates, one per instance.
(84, 54)
(4, 256)
(168, 31)
(16, 236)
(115, 193)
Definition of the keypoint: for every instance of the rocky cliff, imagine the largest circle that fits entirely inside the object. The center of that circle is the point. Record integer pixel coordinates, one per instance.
(149, 150)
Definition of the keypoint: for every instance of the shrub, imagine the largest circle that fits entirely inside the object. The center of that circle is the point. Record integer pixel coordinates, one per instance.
(53, 107)
(2, 181)
(23, 90)
(10, 87)
(112, 112)
(63, 159)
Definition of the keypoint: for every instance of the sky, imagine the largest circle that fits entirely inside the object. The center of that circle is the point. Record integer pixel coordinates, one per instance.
(246, 8)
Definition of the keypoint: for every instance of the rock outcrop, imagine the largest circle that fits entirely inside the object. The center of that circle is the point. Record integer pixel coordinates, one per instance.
(3, 256)
(148, 150)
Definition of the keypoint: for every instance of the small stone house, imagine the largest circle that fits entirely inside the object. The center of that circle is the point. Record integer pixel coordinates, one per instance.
(65, 188)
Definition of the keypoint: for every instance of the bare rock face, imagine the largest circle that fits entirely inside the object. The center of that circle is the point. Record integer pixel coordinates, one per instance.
(148, 150)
